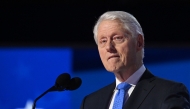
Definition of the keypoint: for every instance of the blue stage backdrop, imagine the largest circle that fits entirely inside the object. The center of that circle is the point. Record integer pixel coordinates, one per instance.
(28, 72)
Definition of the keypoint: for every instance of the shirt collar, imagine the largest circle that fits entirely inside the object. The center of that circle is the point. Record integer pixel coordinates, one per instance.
(134, 78)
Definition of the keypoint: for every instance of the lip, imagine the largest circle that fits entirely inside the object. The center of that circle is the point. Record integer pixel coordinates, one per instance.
(113, 56)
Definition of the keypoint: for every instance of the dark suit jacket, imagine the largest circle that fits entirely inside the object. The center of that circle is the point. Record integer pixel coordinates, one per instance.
(150, 93)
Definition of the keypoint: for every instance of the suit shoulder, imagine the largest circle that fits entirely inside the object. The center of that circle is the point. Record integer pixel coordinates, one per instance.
(157, 80)
(166, 81)
(168, 84)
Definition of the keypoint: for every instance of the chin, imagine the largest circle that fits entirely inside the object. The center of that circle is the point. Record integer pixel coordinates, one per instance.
(112, 69)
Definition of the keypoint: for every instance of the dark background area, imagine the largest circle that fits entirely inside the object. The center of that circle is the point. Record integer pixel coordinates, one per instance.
(70, 23)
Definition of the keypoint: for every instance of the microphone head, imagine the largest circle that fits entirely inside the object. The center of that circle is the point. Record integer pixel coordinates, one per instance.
(62, 81)
(74, 83)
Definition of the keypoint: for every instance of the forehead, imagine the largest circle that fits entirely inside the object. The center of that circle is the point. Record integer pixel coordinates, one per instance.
(105, 24)
(108, 27)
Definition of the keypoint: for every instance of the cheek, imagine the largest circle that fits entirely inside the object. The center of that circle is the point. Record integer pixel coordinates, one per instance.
(102, 54)
(126, 53)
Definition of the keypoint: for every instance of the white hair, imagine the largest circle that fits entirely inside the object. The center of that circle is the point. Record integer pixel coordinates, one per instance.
(129, 21)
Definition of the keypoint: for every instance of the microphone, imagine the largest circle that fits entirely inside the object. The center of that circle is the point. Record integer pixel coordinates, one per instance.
(74, 84)
(63, 82)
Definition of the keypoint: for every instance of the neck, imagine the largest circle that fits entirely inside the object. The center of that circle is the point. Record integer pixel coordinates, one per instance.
(124, 75)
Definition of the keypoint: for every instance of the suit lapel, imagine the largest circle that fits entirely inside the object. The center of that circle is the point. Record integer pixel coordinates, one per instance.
(105, 97)
(143, 87)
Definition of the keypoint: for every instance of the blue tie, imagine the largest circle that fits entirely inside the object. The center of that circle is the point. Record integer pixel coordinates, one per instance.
(119, 97)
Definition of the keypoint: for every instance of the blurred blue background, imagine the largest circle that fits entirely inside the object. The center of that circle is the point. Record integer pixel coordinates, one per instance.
(26, 72)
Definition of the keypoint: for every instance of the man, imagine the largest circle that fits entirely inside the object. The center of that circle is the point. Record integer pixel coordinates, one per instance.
(120, 42)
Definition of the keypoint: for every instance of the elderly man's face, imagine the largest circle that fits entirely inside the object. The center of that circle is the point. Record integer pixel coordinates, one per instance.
(116, 46)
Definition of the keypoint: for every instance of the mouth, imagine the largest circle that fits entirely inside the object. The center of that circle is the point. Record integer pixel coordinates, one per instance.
(113, 56)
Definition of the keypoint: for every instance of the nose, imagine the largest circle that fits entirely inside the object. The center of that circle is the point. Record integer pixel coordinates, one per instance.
(110, 47)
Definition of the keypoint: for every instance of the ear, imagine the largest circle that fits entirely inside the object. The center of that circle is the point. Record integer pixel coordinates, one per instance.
(140, 42)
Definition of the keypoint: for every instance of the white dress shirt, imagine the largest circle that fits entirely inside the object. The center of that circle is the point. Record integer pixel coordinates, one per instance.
(132, 80)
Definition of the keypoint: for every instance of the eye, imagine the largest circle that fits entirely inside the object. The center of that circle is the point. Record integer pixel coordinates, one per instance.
(118, 38)
(102, 42)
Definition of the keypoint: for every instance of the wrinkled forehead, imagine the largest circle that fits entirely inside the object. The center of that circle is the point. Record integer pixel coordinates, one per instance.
(106, 23)
(119, 22)
(116, 23)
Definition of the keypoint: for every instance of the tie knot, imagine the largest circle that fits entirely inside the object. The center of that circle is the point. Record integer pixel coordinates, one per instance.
(123, 85)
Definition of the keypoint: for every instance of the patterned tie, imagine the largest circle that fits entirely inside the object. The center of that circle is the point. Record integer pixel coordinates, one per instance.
(119, 97)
